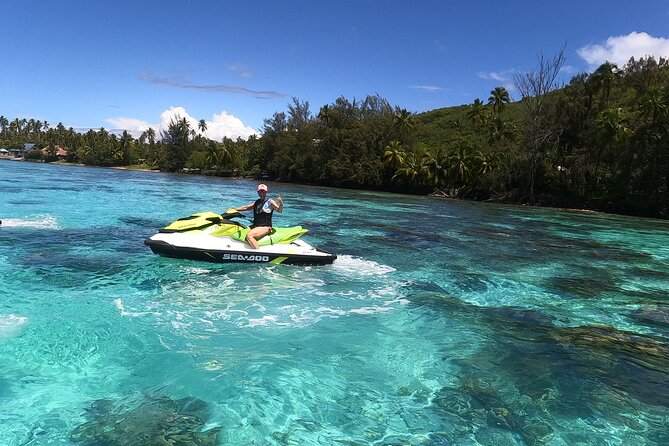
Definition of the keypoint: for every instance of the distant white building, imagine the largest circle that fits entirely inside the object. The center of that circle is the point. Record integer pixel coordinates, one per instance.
(18, 151)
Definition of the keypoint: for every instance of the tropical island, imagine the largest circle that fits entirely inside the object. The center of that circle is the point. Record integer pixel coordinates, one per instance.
(601, 142)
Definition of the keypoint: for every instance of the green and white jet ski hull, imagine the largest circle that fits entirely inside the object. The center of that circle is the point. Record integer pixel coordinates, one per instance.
(212, 238)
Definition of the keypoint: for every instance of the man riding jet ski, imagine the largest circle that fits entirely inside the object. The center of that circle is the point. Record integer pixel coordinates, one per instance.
(217, 238)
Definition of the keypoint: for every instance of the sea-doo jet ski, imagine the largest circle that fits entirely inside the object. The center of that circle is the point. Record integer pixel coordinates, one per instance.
(213, 237)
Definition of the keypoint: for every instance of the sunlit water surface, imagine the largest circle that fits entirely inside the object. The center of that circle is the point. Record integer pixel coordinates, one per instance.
(441, 322)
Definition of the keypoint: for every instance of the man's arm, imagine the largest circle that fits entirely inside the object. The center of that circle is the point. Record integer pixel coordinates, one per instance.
(278, 207)
(244, 208)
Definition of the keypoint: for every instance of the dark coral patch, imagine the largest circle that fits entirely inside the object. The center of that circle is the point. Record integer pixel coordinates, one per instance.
(151, 421)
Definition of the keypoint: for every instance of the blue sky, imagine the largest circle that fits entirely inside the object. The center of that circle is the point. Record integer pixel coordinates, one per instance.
(133, 64)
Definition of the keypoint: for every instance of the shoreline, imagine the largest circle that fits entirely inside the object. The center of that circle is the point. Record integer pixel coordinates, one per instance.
(62, 163)
(430, 195)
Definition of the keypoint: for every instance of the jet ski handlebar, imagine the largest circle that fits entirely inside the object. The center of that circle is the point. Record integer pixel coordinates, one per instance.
(229, 215)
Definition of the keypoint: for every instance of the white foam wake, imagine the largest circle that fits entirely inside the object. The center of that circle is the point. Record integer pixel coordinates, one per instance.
(39, 221)
(10, 324)
(350, 265)
(119, 304)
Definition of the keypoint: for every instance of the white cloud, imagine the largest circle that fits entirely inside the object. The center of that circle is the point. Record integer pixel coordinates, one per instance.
(132, 125)
(221, 125)
(505, 79)
(225, 124)
(620, 49)
(501, 77)
(568, 69)
(241, 70)
(427, 88)
(174, 113)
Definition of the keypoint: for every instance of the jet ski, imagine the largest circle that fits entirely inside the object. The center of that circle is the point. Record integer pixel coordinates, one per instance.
(213, 237)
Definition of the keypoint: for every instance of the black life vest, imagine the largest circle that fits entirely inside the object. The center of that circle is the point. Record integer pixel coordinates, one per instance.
(261, 215)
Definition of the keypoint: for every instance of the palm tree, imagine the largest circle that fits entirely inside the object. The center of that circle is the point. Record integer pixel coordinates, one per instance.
(151, 135)
(411, 169)
(500, 130)
(24, 127)
(202, 126)
(394, 154)
(125, 146)
(15, 126)
(224, 153)
(613, 125)
(4, 122)
(499, 97)
(211, 157)
(83, 154)
(655, 105)
(460, 162)
(478, 113)
(325, 115)
(404, 122)
(481, 164)
(179, 128)
(118, 154)
(435, 168)
(603, 78)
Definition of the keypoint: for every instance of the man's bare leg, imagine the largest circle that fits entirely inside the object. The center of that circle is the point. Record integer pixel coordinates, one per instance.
(256, 233)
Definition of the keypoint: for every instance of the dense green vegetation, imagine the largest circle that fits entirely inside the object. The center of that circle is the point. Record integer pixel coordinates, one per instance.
(600, 142)
(179, 147)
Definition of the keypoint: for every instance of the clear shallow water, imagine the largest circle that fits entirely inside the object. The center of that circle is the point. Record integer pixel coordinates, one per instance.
(441, 322)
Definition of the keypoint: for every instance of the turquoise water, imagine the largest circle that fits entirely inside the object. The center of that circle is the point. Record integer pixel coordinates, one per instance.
(441, 322)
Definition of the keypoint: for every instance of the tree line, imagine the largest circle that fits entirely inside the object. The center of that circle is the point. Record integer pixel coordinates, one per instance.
(599, 142)
(180, 146)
